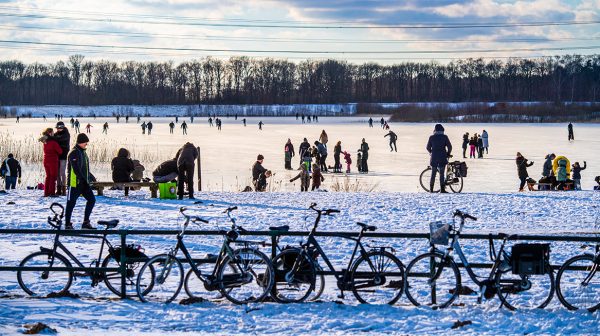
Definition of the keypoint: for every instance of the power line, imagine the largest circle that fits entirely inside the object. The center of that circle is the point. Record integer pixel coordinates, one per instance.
(279, 40)
(290, 26)
(456, 51)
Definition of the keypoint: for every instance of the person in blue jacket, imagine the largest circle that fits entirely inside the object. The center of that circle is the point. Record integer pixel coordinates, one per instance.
(440, 148)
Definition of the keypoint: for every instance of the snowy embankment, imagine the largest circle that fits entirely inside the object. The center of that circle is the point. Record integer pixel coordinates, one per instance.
(97, 312)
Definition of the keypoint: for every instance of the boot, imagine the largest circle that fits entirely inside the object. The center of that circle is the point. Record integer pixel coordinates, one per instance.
(443, 191)
(69, 226)
(87, 226)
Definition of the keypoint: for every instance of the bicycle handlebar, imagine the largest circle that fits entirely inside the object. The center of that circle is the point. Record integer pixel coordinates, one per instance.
(230, 209)
(464, 215)
(326, 212)
(191, 218)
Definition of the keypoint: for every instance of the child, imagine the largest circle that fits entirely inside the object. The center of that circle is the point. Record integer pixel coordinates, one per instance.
(561, 174)
(577, 174)
(348, 159)
(261, 183)
(304, 177)
(359, 161)
(317, 177)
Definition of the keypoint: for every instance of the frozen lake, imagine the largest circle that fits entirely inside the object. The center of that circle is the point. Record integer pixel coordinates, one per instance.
(227, 155)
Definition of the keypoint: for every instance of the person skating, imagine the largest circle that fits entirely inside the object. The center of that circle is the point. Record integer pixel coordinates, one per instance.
(570, 129)
(186, 162)
(393, 138)
(63, 138)
(77, 124)
(465, 144)
(72, 122)
(184, 127)
(244, 121)
(171, 127)
(177, 119)
(127, 119)
(166, 172)
(316, 177)
(149, 127)
(364, 150)
(11, 171)
(122, 166)
(210, 122)
(382, 122)
(219, 123)
(260, 125)
(105, 128)
(80, 179)
(304, 177)
(52, 152)
(144, 127)
(337, 151)
(259, 177)
(486, 143)
(370, 122)
(577, 174)
(289, 153)
(440, 148)
(522, 164)
(302, 149)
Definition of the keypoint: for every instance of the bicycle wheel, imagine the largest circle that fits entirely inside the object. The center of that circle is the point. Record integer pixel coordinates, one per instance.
(319, 285)
(195, 288)
(252, 279)
(425, 180)
(578, 283)
(160, 279)
(432, 281)
(113, 279)
(519, 291)
(294, 276)
(42, 283)
(378, 278)
(454, 182)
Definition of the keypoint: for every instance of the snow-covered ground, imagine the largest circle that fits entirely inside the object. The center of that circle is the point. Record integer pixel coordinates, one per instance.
(227, 155)
(98, 313)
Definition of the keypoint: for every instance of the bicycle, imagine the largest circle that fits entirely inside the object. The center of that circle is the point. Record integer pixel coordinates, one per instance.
(453, 180)
(375, 276)
(433, 278)
(42, 283)
(578, 281)
(242, 275)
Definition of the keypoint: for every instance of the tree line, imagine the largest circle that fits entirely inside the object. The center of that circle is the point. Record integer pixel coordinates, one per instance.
(244, 80)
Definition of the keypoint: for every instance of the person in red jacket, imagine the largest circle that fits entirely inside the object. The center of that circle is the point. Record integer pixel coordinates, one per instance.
(52, 151)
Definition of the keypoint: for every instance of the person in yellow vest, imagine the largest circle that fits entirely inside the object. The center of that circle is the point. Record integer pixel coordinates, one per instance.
(80, 179)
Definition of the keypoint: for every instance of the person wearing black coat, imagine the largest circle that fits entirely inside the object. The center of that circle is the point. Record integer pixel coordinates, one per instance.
(364, 150)
(122, 166)
(393, 138)
(289, 152)
(480, 147)
(570, 129)
(304, 146)
(186, 162)
(465, 144)
(166, 171)
(440, 148)
(11, 171)
(522, 164)
(337, 151)
(80, 180)
(259, 174)
(64, 141)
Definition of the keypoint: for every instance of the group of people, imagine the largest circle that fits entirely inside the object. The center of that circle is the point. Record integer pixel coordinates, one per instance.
(557, 173)
(476, 144)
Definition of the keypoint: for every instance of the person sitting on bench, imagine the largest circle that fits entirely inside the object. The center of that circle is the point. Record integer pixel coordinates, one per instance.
(166, 172)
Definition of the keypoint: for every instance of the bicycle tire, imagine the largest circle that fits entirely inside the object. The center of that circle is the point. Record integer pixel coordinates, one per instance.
(386, 284)
(530, 290)
(255, 276)
(301, 283)
(195, 288)
(54, 282)
(456, 187)
(154, 287)
(568, 283)
(113, 279)
(419, 292)
(427, 176)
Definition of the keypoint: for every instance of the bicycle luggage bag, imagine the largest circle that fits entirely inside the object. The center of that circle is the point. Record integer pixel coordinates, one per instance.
(460, 168)
(530, 258)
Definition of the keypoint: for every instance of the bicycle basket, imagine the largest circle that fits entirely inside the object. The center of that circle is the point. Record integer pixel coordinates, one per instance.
(530, 258)
(439, 233)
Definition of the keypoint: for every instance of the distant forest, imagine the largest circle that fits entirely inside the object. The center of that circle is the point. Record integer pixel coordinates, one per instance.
(243, 80)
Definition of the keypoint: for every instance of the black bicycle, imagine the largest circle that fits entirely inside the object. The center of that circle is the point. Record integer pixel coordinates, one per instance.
(375, 276)
(56, 278)
(241, 275)
(452, 180)
(433, 278)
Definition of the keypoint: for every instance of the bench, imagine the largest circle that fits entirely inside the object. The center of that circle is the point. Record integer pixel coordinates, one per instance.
(126, 185)
(569, 186)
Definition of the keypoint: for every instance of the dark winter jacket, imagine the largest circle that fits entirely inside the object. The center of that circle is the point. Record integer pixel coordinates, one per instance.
(322, 149)
(547, 170)
(289, 149)
(64, 140)
(472, 142)
(480, 142)
(257, 170)
(465, 141)
(577, 171)
(364, 149)
(122, 167)
(337, 150)
(166, 168)
(187, 155)
(440, 148)
(79, 168)
(392, 135)
(11, 167)
(522, 165)
(304, 146)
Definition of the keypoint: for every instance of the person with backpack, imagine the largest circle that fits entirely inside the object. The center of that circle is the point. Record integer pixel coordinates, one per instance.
(122, 166)
(52, 153)
(303, 149)
(80, 179)
(393, 138)
(288, 151)
(64, 140)
(186, 162)
(522, 164)
(11, 171)
(577, 174)
(440, 149)
(304, 177)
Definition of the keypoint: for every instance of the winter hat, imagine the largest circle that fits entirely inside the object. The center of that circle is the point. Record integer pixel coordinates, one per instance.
(439, 128)
(10, 156)
(60, 124)
(82, 138)
(260, 157)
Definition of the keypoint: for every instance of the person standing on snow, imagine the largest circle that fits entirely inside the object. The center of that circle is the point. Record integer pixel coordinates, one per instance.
(260, 125)
(440, 148)
(52, 151)
(171, 127)
(393, 138)
(184, 127)
(364, 157)
(323, 138)
(80, 180)
(522, 165)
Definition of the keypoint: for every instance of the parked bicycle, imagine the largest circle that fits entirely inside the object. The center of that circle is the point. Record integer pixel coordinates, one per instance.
(578, 280)
(241, 275)
(375, 276)
(453, 179)
(433, 278)
(57, 278)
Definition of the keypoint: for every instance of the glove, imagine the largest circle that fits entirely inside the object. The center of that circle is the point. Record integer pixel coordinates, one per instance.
(19, 180)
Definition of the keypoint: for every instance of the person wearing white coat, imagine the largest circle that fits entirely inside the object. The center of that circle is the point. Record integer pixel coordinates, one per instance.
(484, 136)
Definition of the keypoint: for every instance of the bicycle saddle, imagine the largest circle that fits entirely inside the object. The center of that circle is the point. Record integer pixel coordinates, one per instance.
(367, 227)
(109, 224)
(284, 228)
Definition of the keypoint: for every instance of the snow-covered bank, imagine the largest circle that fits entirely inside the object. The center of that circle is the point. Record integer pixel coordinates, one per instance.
(570, 213)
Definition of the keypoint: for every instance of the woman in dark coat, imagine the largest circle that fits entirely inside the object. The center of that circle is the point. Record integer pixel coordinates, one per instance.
(288, 150)
(52, 152)
(337, 151)
(122, 166)
(522, 165)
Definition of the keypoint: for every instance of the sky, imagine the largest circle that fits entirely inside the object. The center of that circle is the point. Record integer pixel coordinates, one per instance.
(359, 31)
